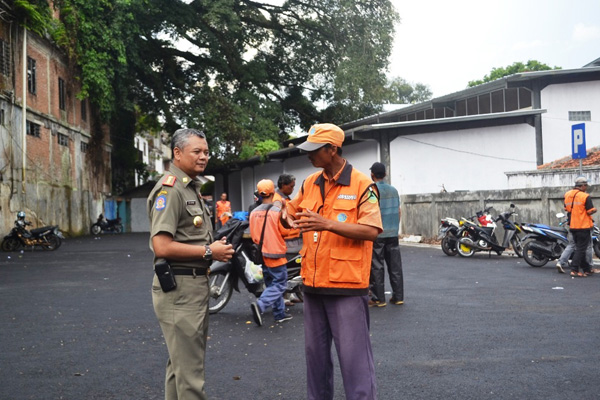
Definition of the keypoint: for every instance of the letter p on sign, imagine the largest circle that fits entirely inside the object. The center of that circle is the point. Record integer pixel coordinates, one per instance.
(578, 140)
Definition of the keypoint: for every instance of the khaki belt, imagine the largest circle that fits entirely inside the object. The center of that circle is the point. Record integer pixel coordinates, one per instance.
(199, 271)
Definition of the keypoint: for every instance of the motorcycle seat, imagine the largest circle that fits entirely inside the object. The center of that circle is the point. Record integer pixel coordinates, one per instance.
(40, 230)
(559, 229)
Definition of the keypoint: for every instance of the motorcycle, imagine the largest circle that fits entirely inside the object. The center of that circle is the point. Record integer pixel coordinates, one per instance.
(224, 277)
(47, 237)
(544, 243)
(450, 230)
(106, 225)
(483, 238)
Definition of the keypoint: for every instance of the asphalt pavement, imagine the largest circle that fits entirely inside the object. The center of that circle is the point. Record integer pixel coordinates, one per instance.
(78, 323)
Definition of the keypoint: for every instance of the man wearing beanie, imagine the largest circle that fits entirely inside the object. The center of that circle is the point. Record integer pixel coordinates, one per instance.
(337, 212)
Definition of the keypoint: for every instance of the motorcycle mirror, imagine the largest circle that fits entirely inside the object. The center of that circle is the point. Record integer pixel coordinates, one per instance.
(560, 215)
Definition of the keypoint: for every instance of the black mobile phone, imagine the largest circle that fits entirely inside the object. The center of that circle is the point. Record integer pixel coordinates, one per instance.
(165, 275)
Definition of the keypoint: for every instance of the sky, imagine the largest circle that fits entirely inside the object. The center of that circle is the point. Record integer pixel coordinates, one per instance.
(446, 44)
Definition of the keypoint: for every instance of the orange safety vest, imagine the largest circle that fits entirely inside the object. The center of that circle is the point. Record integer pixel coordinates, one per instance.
(223, 207)
(575, 200)
(273, 248)
(333, 264)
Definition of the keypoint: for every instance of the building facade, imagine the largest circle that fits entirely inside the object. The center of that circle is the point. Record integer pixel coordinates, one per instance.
(55, 158)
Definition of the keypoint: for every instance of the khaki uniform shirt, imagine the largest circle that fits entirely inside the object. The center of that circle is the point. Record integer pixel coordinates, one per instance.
(175, 206)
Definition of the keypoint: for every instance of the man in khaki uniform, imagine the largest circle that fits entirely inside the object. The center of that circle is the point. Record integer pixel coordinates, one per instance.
(181, 234)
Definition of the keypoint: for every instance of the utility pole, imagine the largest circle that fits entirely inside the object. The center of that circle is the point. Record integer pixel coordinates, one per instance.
(24, 103)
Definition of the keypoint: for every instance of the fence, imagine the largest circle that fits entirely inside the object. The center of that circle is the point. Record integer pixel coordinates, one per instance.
(421, 213)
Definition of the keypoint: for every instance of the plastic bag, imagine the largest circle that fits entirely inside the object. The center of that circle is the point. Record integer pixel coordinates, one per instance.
(252, 271)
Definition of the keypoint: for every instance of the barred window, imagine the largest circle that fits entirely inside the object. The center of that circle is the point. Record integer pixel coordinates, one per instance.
(580, 115)
(31, 80)
(61, 94)
(63, 140)
(33, 129)
(4, 58)
(83, 110)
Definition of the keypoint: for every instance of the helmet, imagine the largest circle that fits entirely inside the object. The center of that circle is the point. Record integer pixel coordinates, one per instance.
(21, 215)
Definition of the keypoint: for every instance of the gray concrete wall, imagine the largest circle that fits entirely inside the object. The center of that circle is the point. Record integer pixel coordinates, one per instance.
(421, 213)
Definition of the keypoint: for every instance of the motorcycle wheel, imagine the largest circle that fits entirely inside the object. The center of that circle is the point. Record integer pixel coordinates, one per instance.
(532, 258)
(96, 229)
(517, 245)
(118, 228)
(464, 250)
(53, 243)
(597, 248)
(217, 302)
(11, 244)
(449, 246)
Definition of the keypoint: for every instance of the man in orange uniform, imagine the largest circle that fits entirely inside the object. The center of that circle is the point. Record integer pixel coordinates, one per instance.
(223, 211)
(579, 207)
(337, 211)
(266, 218)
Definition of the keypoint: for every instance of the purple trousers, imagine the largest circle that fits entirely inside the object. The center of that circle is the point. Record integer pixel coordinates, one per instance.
(345, 320)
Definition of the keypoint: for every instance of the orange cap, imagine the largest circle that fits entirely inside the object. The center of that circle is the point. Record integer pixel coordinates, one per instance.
(321, 134)
(265, 187)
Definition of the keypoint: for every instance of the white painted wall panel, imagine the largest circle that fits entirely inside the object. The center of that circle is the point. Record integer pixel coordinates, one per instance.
(556, 127)
(473, 159)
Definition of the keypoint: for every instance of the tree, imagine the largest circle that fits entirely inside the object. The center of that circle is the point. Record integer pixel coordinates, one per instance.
(245, 71)
(402, 92)
(515, 68)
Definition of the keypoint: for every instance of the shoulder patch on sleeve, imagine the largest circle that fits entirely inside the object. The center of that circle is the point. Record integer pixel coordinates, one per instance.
(169, 181)
(373, 198)
(160, 203)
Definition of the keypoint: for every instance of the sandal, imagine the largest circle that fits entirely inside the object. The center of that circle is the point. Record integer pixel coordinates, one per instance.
(586, 274)
(576, 274)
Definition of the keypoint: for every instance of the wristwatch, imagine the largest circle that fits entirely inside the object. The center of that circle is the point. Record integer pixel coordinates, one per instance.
(207, 253)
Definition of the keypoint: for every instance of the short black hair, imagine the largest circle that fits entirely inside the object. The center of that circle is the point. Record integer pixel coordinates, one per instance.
(285, 179)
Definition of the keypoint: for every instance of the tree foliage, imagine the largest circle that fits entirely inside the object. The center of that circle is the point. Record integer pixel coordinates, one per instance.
(245, 71)
(402, 92)
(515, 68)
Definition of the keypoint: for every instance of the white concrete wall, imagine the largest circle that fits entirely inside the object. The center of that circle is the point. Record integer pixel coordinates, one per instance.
(556, 127)
(139, 216)
(473, 159)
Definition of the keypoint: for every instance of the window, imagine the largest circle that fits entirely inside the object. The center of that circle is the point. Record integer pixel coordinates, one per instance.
(83, 110)
(2, 116)
(33, 129)
(84, 147)
(580, 115)
(61, 94)
(63, 140)
(4, 58)
(31, 81)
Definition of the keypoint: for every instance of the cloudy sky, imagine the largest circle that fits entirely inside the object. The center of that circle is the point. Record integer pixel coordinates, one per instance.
(445, 44)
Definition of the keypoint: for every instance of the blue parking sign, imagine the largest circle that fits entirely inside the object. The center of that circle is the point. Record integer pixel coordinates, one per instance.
(578, 140)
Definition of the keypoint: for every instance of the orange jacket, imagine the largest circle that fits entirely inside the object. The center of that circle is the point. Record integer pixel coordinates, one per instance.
(580, 207)
(273, 248)
(333, 264)
(223, 207)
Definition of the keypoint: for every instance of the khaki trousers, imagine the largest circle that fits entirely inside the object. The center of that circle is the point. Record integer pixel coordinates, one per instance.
(183, 317)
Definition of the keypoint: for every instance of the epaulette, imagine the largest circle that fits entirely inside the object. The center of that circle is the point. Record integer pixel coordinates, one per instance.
(170, 180)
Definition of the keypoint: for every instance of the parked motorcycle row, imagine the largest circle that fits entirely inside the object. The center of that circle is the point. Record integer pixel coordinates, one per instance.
(47, 237)
(537, 244)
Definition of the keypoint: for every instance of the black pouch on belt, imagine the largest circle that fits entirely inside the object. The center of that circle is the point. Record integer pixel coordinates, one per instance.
(165, 275)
